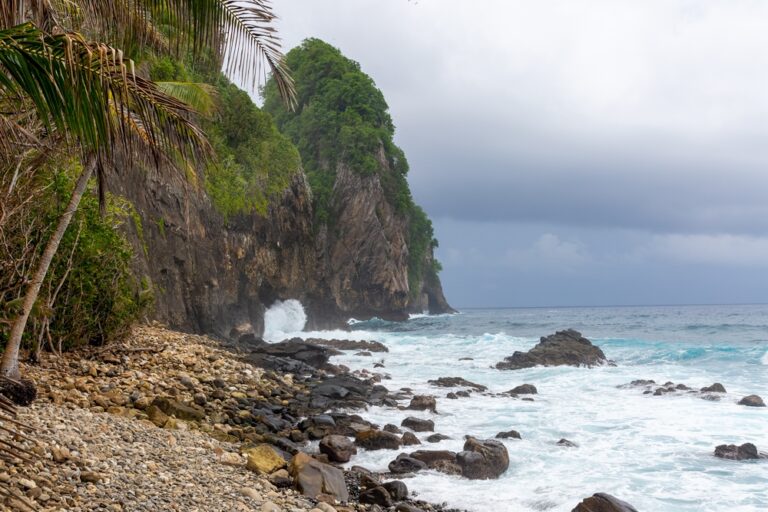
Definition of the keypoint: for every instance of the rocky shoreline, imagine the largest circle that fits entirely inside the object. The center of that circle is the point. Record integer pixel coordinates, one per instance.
(173, 421)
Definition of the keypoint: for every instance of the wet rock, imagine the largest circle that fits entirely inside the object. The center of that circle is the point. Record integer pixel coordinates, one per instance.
(434, 458)
(483, 459)
(410, 439)
(370, 346)
(376, 496)
(453, 382)
(396, 489)
(377, 440)
(567, 347)
(295, 348)
(452, 396)
(523, 389)
(407, 507)
(714, 388)
(405, 464)
(264, 459)
(746, 451)
(423, 403)
(510, 434)
(313, 478)
(392, 428)
(566, 443)
(752, 401)
(337, 448)
(602, 502)
(436, 438)
(418, 424)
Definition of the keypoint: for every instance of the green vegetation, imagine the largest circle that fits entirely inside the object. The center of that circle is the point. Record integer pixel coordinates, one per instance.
(89, 294)
(342, 119)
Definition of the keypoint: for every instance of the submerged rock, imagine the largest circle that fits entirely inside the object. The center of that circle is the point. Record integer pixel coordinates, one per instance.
(602, 502)
(746, 451)
(510, 434)
(566, 443)
(454, 382)
(567, 347)
(752, 401)
(523, 389)
(406, 464)
(483, 459)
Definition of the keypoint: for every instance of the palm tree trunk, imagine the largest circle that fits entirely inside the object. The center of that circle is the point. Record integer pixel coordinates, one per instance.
(9, 366)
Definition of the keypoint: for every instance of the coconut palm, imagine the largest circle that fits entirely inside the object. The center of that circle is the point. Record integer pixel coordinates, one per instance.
(61, 86)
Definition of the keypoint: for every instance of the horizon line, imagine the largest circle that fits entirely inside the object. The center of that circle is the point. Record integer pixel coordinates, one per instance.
(617, 305)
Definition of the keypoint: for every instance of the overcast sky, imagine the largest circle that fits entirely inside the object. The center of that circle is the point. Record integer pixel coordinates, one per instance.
(575, 152)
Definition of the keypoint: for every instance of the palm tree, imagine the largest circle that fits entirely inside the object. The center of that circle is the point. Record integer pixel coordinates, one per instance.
(84, 92)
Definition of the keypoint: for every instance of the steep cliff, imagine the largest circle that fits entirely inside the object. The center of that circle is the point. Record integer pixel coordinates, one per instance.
(218, 249)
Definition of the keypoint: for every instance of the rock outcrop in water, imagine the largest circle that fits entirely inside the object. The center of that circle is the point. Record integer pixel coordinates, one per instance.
(563, 348)
(602, 502)
(483, 459)
(746, 451)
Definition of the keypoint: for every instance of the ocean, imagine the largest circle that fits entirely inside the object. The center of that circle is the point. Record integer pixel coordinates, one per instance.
(655, 452)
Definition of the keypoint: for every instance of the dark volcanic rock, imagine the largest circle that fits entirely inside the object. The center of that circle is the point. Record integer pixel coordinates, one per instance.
(747, 451)
(602, 502)
(410, 439)
(392, 428)
(346, 391)
(370, 346)
(434, 458)
(377, 440)
(376, 496)
(752, 401)
(567, 443)
(510, 434)
(405, 464)
(423, 403)
(295, 348)
(482, 459)
(454, 382)
(396, 489)
(337, 448)
(418, 425)
(436, 438)
(714, 388)
(523, 389)
(562, 348)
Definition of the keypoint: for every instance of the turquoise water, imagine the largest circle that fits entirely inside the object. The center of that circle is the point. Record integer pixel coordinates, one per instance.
(654, 452)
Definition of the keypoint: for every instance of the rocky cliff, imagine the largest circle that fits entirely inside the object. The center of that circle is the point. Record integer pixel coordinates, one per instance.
(211, 275)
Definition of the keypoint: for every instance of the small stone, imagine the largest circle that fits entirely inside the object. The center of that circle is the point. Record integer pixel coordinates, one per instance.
(90, 477)
(268, 506)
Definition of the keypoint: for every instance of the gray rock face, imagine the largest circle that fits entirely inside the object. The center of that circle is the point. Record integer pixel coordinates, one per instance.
(214, 276)
(746, 451)
(602, 502)
(567, 347)
(483, 459)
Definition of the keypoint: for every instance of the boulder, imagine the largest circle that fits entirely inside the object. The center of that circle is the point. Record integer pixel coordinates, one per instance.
(510, 434)
(377, 440)
(156, 416)
(370, 346)
(295, 348)
(392, 428)
(313, 478)
(396, 489)
(567, 443)
(714, 388)
(436, 438)
(752, 401)
(337, 448)
(567, 347)
(182, 411)
(602, 502)
(483, 459)
(423, 403)
(264, 459)
(405, 464)
(410, 439)
(454, 382)
(747, 451)
(376, 496)
(433, 458)
(418, 424)
(523, 389)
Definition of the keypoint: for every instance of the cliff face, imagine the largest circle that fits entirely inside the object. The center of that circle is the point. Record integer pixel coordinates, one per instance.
(212, 276)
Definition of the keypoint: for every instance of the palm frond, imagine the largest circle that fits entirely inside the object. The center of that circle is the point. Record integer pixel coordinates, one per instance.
(200, 96)
(77, 86)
